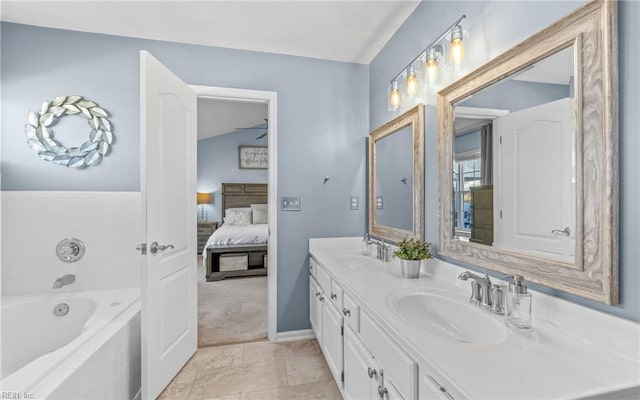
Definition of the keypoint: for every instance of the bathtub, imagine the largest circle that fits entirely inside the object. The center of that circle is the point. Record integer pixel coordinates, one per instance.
(91, 351)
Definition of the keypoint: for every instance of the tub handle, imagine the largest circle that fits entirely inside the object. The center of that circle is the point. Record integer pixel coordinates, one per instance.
(155, 247)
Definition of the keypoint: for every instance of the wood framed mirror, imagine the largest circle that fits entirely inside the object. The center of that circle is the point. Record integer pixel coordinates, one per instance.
(528, 158)
(396, 177)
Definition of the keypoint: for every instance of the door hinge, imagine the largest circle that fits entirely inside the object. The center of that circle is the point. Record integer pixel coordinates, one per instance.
(142, 248)
(342, 376)
(342, 330)
(500, 213)
(500, 139)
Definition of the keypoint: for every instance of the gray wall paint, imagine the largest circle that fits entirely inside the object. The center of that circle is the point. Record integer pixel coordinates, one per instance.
(495, 27)
(392, 164)
(218, 163)
(516, 95)
(322, 118)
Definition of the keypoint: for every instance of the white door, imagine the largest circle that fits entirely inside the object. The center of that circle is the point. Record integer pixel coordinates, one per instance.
(332, 339)
(536, 180)
(360, 370)
(168, 185)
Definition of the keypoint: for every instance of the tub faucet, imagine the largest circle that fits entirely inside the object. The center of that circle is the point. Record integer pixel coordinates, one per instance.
(480, 289)
(64, 281)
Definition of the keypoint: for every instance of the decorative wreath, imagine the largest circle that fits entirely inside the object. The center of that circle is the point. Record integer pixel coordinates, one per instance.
(40, 135)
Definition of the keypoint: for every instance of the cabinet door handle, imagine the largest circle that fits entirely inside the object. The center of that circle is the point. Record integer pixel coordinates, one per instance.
(333, 296)
(346, 312)
(317, 294)
(321, 298)
(371, 372)
(310, 267)
(382, 391)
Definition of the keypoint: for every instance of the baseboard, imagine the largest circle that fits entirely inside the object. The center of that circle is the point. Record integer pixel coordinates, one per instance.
(294, 335)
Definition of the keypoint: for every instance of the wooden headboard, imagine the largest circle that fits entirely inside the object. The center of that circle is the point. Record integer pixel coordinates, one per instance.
(236, 195)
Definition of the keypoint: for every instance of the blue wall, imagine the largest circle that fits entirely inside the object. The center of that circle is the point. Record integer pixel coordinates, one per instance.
(322, 118)
(494, 27)
(218, 163)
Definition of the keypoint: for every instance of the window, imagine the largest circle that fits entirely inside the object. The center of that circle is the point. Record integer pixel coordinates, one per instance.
(466, 174)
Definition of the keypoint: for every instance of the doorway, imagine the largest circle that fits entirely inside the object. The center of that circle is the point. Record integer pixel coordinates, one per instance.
(235, 286)
(232, 185)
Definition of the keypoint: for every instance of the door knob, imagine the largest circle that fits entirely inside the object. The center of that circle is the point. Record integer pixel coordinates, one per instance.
(155, 247)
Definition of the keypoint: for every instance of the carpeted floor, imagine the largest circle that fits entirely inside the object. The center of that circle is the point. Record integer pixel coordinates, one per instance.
(231, 310)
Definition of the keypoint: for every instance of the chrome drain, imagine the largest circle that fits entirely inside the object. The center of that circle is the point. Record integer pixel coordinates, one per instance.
(61, 310)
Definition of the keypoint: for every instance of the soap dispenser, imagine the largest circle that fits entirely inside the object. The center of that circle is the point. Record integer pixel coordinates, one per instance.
(518, 305)
(366, 245)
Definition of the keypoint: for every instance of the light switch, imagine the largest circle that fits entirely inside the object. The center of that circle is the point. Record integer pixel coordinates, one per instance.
(290, 203)
(379, 203)
(354, 202)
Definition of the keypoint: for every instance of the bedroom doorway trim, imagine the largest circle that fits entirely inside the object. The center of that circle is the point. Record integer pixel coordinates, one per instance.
(270, 98)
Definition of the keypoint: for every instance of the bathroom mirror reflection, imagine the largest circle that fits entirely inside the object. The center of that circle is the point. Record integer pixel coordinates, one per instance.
(528, 158)
(514, 161)
(394, 180)
(396, 177)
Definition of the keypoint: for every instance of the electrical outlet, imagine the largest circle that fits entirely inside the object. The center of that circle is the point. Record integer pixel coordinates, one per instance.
(379, 203)
(290, 203)
(355, 202)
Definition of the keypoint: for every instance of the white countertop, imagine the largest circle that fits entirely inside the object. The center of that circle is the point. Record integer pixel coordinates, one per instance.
(544, 363)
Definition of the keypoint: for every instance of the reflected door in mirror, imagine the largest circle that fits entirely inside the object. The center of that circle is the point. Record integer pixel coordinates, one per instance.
(514, 162)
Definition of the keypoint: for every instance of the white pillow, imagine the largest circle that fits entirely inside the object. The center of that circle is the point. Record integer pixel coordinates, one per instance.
(259, 213)
(237, 216)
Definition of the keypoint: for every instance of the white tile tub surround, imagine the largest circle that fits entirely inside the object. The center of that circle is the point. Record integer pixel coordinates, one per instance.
(34, 222)
(608, 332)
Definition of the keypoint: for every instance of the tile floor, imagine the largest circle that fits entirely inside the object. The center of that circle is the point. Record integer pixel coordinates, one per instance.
(257, 371)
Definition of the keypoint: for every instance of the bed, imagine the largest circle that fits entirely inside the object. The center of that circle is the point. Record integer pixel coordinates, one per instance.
(235, 250)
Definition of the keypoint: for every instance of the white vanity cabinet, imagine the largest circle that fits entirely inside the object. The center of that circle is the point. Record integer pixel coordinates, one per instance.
(332, 340)
(315, 308)
(361, 378)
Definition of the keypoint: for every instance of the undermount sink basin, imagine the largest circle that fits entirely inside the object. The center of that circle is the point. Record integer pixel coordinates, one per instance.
(447, 317)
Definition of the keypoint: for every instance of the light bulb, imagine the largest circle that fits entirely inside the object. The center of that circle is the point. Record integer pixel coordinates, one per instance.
(412, 82)
(456, 53)
(431, 67)
(394, 96)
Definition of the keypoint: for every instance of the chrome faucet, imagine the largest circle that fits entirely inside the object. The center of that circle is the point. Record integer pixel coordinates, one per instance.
(64, 281)
(480, 289)
(383, 251)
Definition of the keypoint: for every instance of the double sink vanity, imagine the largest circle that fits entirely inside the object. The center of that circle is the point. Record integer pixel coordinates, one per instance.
(385, 337)
(527, 186)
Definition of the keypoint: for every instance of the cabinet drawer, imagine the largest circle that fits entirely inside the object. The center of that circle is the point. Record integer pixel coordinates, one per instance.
(351, 312)
(336, 294)
(323, 279)
(401, 369)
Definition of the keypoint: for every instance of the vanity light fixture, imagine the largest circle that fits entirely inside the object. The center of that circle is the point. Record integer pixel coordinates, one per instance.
(431, 56)
(432, 65)
(456, 53)
(412, 82)
(395, 96)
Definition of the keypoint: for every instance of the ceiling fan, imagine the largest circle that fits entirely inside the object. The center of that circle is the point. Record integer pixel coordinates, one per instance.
(265, 133)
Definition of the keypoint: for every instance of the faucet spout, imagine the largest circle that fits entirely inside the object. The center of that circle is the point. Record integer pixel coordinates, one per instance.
(480, 289)
(64, 281)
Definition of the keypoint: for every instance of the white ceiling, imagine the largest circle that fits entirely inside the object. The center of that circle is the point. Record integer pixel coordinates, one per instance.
(557, 68)
(345, 30)
(216, 117)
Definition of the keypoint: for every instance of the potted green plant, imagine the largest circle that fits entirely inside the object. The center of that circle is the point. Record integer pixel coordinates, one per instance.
(411, 252)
